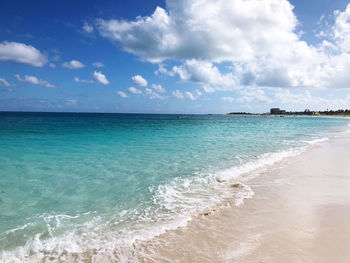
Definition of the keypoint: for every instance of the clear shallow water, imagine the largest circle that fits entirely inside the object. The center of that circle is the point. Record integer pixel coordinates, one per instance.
(73, 182)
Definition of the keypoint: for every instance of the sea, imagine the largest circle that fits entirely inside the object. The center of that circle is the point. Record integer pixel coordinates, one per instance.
(77, 182)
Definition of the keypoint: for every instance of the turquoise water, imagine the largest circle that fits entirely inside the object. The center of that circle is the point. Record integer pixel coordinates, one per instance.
(73, 182)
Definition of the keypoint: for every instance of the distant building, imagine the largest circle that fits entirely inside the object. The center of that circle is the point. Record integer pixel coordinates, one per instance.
(277, 111)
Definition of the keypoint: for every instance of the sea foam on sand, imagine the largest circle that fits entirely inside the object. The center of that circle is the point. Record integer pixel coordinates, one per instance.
(300, 213)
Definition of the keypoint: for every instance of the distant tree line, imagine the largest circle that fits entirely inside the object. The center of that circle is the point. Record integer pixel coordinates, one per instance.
(327, 112)
(240, 113)
(305, 112)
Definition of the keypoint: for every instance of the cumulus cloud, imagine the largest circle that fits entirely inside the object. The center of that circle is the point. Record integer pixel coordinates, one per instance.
(205, 73)
(34, 80)
(158, 88)
(101, 78)
(4, 82)
(341, 29)
(215, 30)
(98, 65)
(178, 94)
(135, 90)
(88, 28)
(298, 99)
(153, 95)
(190, 95)
(122, 94)
(193, 95)
(258, 38)
(139, 81)
(78, 80)
(162, 70)
(22, 53)
(52, 65)
(74, 64)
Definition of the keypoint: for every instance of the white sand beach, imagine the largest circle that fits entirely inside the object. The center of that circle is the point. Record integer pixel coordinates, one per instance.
(300, 213)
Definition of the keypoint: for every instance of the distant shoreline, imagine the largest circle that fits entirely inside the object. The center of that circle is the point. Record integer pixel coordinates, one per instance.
(291, 115)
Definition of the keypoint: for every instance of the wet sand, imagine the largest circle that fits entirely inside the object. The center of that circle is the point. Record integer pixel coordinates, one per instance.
(300, 213)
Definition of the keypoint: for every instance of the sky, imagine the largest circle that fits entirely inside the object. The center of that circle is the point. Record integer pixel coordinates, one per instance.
(174, 56)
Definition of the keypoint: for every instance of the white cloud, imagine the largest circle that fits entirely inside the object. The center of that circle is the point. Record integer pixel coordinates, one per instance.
(162, 70)
(4, 82)
(22, 53)
(305, 99)
(158, 88)
(205, 73)
(87, 27)
(134, 90)
(98, 65)
(52, 65)
(207, 88)
(227, 99)
(215, 30)
(74, 64)
(29, 79)
(34, 80)
(259, 39)
(249, 95)
(122, 94)
(71, 102)
(178, 94)
(99, 77)
(78, 80)
(139, 81)
(190, 95)
(341, 29)
(153, 95)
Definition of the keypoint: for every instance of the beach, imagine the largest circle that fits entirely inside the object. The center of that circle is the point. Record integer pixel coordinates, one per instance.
(175, 131)
(155, 188)
(300, 213)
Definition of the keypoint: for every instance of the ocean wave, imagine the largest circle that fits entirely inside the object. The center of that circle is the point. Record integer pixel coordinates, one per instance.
(318, 141)
(173, 205)
(17, 228)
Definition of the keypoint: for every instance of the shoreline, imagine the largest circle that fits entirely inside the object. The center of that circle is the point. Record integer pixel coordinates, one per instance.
(299, 213)
(208, 227)
(291, 115)
(323, 116)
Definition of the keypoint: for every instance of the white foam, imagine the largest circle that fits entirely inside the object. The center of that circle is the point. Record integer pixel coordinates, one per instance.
(318, 141)
(264, 160)
(17, 228)
(242, 195)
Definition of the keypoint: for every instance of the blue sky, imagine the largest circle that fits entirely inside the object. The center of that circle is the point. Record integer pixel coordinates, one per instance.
(174, 56)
